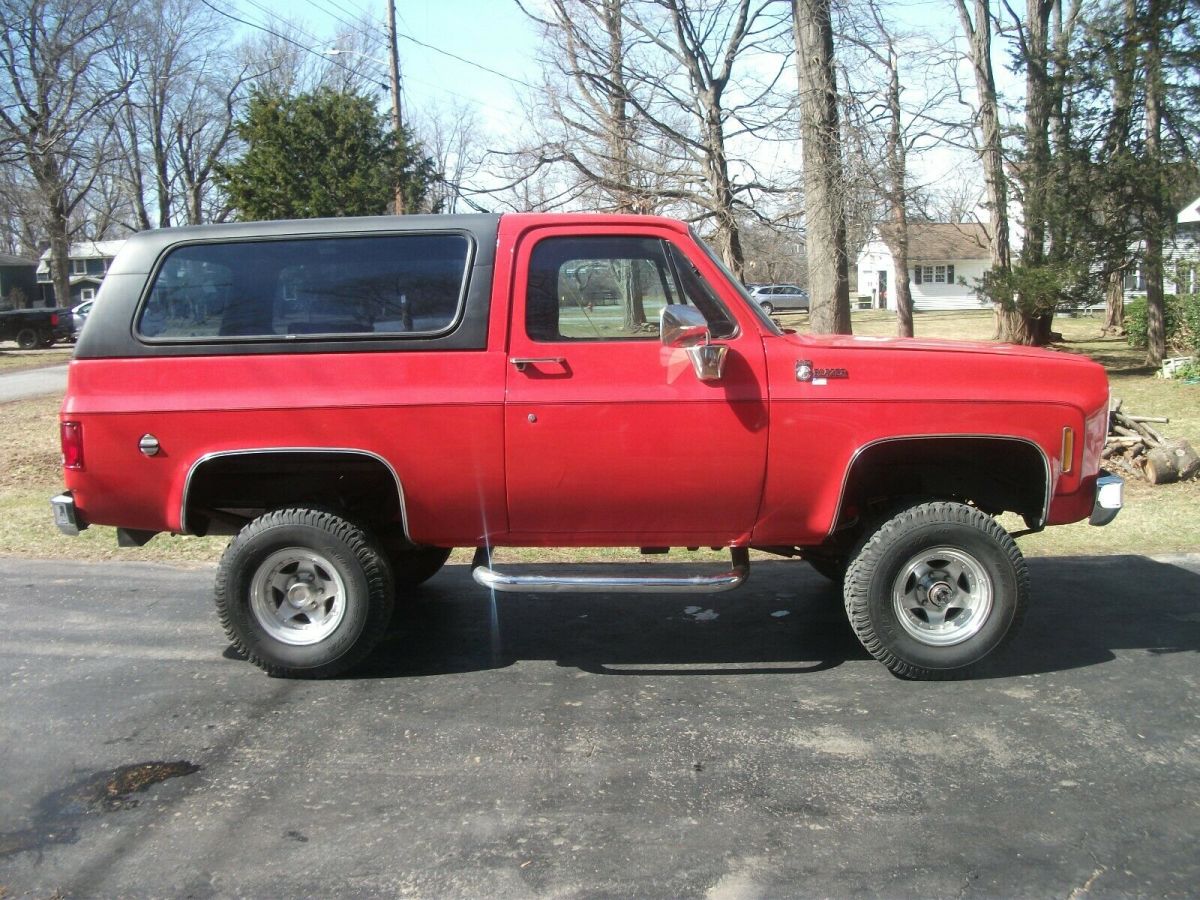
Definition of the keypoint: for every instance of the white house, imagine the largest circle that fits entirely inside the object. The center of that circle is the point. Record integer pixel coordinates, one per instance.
(945, 260)
(1181, 258)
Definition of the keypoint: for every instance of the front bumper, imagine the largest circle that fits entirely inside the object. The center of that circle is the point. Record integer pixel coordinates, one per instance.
(66, 516)
(1110, 492)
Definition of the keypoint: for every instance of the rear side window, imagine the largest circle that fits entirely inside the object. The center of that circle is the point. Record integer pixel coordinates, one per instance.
(391, 285)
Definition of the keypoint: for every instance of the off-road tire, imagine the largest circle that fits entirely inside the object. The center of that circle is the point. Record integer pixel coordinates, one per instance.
(886, 553)
(358, 565)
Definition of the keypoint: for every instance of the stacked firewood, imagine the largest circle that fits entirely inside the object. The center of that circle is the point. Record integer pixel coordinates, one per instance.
(1135, 447)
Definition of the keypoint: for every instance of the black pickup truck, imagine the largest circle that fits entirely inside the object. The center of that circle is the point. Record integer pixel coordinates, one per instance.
(32, 328)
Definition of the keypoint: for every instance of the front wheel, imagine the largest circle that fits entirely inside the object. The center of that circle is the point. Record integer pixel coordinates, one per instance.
(936, 589)
(304, 593)
(768, 308)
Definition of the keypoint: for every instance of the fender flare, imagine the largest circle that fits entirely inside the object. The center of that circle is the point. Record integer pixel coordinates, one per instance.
(261, 451)
(1010, 438)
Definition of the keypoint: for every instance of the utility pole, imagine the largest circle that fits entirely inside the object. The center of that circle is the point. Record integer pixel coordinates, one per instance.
(397, 120)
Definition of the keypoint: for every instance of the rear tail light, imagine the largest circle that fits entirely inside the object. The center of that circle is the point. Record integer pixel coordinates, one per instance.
(54, 320)
(72, 444)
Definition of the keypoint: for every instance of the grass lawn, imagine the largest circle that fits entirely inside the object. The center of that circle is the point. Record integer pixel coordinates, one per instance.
(1156, 520)
(13, 360)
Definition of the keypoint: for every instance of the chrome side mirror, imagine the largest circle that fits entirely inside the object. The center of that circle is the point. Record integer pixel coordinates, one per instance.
(686, 327)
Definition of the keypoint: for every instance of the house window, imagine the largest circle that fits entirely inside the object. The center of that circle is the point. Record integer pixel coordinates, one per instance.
(87, 294)
(79, 267)
(943, 274)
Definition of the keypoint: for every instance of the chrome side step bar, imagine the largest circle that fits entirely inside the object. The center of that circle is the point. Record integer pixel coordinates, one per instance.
(482, 572)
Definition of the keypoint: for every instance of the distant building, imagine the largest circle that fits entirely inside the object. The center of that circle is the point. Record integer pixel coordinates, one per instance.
(18, 282)
(89, 264)
(945, 260)
(1181, 258)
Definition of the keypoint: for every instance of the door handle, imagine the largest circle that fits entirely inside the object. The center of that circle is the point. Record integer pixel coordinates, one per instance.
(520, 362)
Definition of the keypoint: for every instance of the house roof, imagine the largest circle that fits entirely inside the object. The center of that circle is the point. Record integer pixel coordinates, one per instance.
(7, 259)
(945, 240)
(84, 250)
(1190, 213)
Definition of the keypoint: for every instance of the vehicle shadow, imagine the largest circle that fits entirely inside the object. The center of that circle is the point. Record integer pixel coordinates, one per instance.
(785, 620)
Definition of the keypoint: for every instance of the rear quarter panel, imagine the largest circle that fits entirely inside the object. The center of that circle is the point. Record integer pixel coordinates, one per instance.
(435, 417)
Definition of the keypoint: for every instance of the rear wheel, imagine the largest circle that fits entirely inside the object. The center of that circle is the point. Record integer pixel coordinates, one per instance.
(936, 589)
(27, 339)
(304, 593)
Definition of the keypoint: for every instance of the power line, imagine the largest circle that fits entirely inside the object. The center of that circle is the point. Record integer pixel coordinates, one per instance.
(324, 5)
(461, 59)
(283, 37)
(327, 7)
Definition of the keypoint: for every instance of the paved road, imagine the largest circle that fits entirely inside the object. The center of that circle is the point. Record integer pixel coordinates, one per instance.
(588, 746)
(32, 383)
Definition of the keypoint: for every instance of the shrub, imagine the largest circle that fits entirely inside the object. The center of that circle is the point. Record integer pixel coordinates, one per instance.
(1181, 323)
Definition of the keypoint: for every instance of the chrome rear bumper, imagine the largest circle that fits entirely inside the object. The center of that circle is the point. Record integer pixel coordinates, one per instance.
(66, 517)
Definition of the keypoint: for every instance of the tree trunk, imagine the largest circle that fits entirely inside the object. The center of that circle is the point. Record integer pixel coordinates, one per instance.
(1010, 324)
(1156, 339)
(1114, 304)
(631, 288)
(1156, 336)
(898, 198)
(824, 206)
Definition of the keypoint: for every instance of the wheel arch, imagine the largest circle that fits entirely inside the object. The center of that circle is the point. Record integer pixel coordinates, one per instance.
(996, 472)
(201, 502)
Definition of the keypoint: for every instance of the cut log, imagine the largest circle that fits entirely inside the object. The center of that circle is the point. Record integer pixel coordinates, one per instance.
(1159, 420)
(1173, 461)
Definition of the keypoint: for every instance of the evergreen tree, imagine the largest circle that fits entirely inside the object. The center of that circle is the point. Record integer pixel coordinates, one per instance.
(325, 153)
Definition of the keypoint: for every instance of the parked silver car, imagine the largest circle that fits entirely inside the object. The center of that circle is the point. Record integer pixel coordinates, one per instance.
(773, 297)
(79, 314)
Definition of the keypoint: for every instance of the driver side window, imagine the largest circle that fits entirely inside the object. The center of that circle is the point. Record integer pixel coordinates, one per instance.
(611, 289)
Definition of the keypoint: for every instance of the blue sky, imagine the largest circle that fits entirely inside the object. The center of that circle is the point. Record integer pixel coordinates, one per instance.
(495, 34)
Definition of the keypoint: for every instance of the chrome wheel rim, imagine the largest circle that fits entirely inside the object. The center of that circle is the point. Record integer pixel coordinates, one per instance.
(297, 596)
(942, 596)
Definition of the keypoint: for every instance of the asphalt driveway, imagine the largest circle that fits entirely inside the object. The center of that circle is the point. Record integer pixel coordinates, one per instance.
(735, 746)
(26, 383)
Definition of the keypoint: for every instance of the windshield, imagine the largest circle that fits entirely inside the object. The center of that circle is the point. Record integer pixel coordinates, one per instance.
(766, 321)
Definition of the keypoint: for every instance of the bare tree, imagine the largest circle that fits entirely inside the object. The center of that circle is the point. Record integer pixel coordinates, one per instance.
(638, 95)
(885, 128)
(54, 97)
(589, 98)
(452, 137)
(820, 137)
(977, 27)
(774, 252)
(178, 121)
